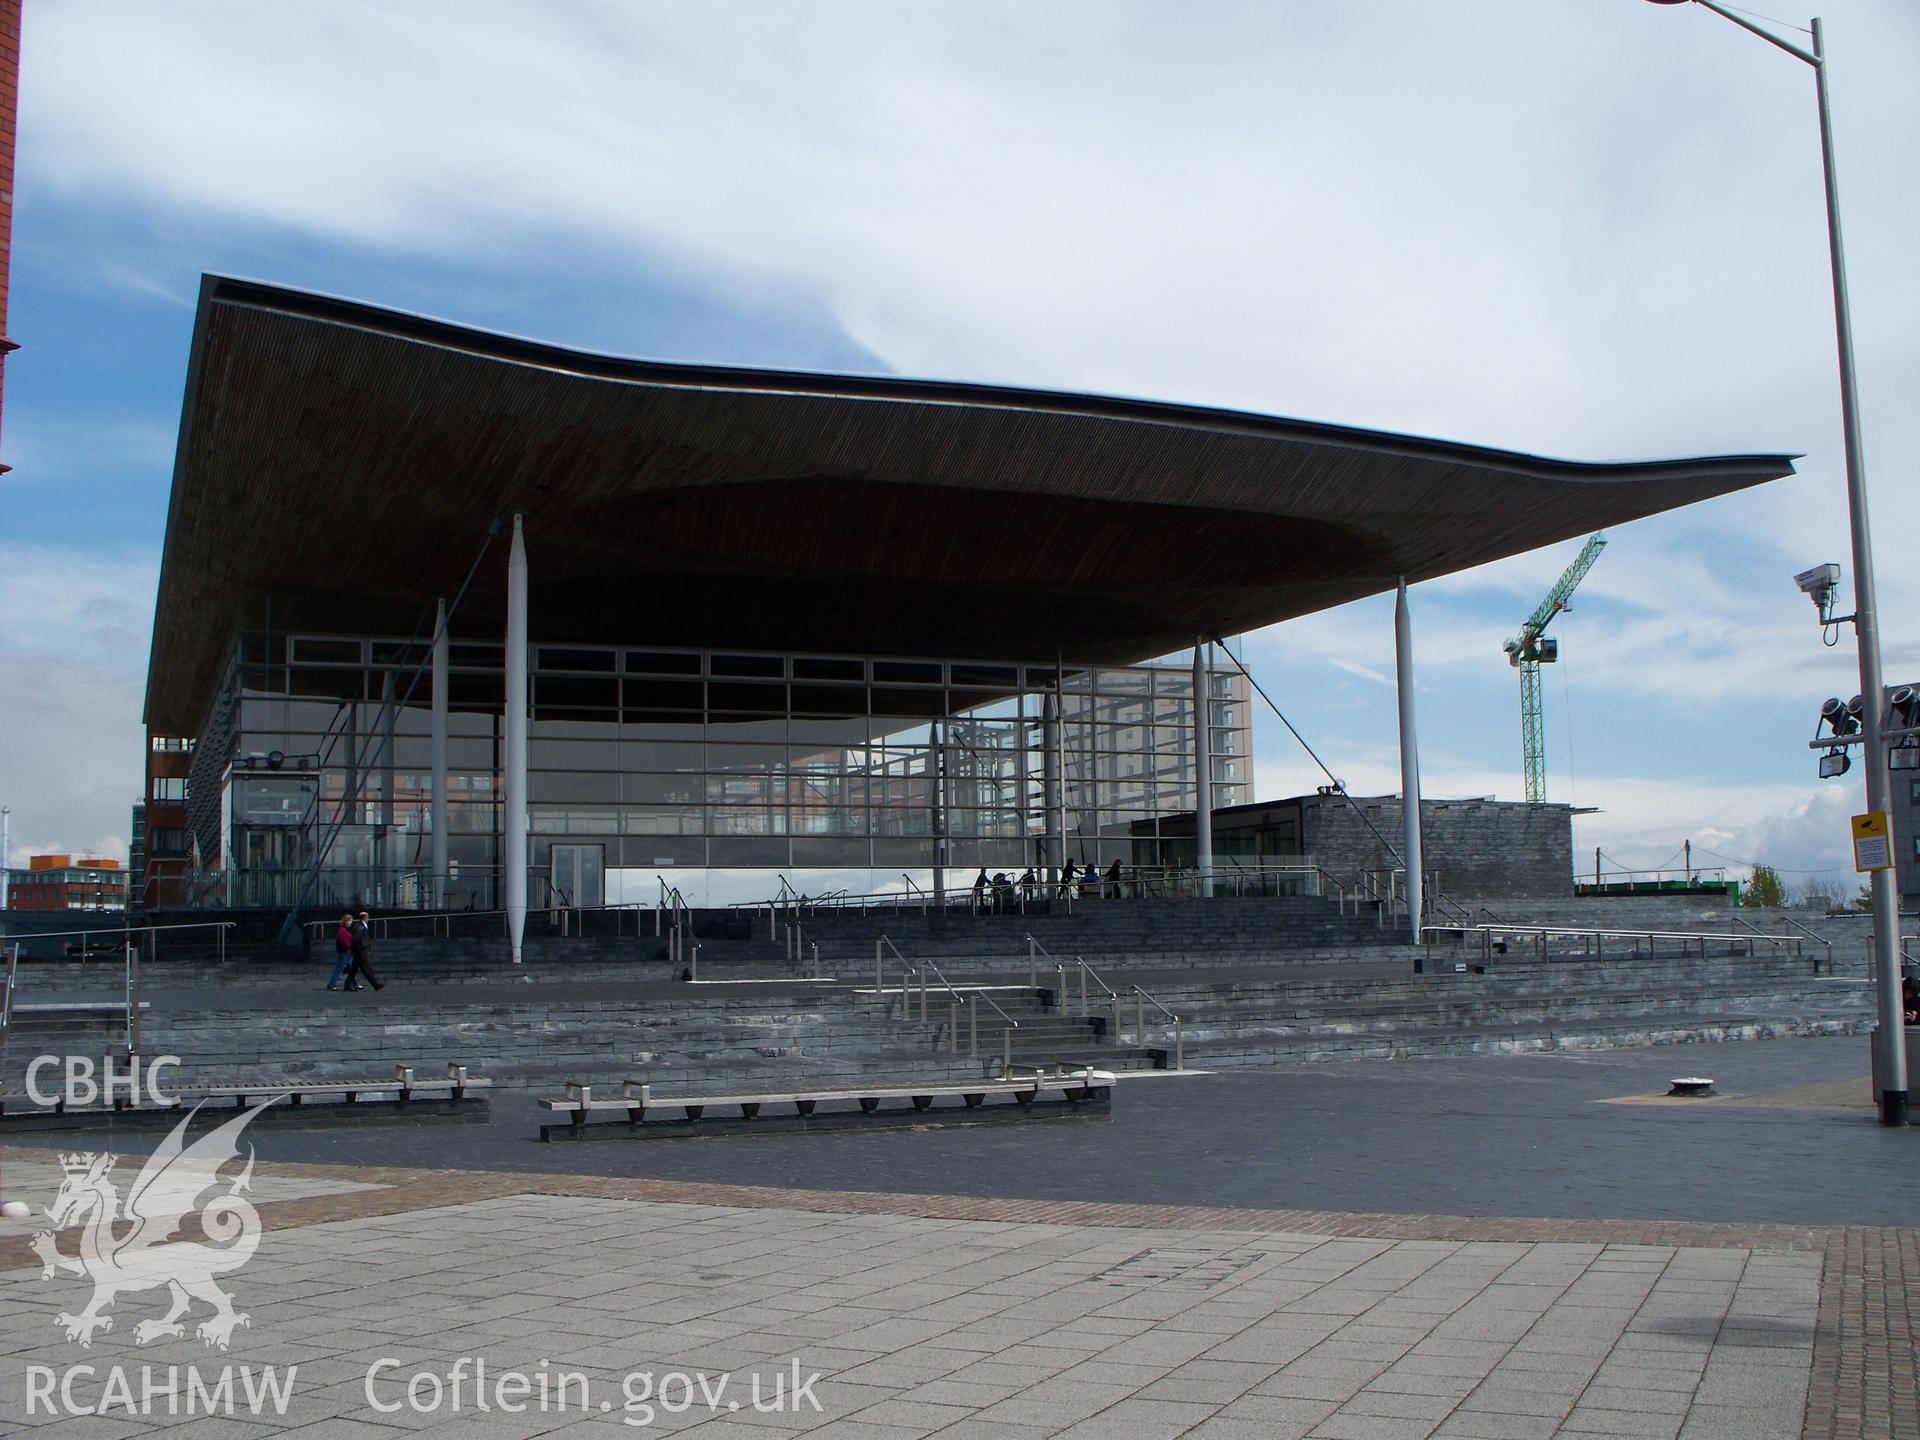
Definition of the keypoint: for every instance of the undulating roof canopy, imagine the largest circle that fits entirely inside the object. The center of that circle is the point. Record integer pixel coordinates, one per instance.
(345, 462)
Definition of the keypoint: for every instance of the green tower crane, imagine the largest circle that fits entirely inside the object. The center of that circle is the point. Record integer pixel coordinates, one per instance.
(1531, 649)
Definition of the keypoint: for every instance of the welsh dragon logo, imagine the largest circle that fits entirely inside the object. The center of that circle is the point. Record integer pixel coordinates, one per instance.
(125, 1248)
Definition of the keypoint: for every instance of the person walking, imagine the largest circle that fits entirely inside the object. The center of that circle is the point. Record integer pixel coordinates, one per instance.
(362, 947)
(343, 955)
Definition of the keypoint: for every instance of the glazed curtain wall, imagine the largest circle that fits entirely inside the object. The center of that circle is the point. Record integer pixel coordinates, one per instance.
(696, 759)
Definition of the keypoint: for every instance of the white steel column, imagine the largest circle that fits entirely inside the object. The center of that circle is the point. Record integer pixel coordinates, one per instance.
(1060, 762)
(1409, 758)
(437, 815)
(937, 803)
(514, 840)
(1202, 770)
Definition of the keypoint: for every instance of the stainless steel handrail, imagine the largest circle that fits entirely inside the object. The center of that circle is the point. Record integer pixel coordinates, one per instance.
(6, 996)
(127, 929)
(382, 923)
(1542, 933)
(970, 996)
(674, 905)
(1034, 950)
(1144, 999)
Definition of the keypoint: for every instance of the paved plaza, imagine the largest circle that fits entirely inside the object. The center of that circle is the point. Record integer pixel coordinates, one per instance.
(576, 1293)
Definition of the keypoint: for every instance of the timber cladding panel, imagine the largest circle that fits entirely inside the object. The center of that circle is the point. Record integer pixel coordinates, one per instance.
(346, 462)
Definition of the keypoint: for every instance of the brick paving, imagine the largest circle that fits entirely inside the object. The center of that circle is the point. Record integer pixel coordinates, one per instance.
(1860, 1358)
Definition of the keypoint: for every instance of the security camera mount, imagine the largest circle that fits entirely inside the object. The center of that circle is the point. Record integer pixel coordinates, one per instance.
(1821, 584)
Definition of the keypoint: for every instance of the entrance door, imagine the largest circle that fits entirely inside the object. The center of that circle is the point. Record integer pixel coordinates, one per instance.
(580, 874)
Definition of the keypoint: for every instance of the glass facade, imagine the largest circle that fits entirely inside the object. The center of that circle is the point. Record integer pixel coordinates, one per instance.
(658, 760)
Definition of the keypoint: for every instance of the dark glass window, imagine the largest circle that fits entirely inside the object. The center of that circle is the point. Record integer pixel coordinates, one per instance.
(668, 662)
(488, 657)
(684, 695)
(552, 658)
(476, 692)
(327, 652)
(832, 700)
(996, 675)
(747, 699)
(768, 667)
(559, 696)
(893, 700)
(911, 671)
(330, 684)
(824, 668)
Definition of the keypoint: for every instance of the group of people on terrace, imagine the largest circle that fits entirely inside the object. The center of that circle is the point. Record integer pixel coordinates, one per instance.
(1002, 892)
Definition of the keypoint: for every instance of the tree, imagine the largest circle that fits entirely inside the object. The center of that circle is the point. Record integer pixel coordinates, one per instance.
(1864, 901)
(1765, 889)
(1822, 893)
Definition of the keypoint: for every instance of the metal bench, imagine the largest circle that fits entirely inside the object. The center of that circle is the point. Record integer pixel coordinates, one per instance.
(456, 1085)
(1073, 1086)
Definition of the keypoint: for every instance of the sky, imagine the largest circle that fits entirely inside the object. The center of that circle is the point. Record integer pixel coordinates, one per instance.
(1591, 229)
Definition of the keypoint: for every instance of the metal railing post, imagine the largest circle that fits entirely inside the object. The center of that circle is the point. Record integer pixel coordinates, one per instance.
(953, 1024)
(879, 971)
(1179, 1046)
(973, 1025)
(1062, 1000)
(1139, 1016)
(1033, 964)
(1083, 989)
(133, 999)
(923, 996)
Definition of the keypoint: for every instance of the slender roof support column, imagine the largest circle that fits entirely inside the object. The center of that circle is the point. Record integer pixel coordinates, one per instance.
(437, 816)
(1202, 770)
(937, 804)
(1409, 759)
(514, 840)
(1060, 761)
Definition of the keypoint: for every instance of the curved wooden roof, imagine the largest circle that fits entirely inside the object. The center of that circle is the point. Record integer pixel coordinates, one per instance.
(347, 461)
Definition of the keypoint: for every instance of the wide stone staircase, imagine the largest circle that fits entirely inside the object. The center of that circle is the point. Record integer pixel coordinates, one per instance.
(1224, 983)
(1124, 933)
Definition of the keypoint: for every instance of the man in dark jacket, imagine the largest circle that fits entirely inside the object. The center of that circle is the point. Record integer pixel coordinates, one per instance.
(362, 948)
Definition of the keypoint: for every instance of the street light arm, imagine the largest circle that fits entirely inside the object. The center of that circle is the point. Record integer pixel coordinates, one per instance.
(1811, 57)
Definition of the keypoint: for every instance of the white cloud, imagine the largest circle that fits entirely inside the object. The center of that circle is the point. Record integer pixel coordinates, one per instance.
(74, 657)
(1585, 230)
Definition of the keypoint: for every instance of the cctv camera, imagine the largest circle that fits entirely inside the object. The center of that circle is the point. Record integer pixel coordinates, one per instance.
(1820, 581)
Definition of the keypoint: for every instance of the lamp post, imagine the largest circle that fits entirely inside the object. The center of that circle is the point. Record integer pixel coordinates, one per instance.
(1892, 1068)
